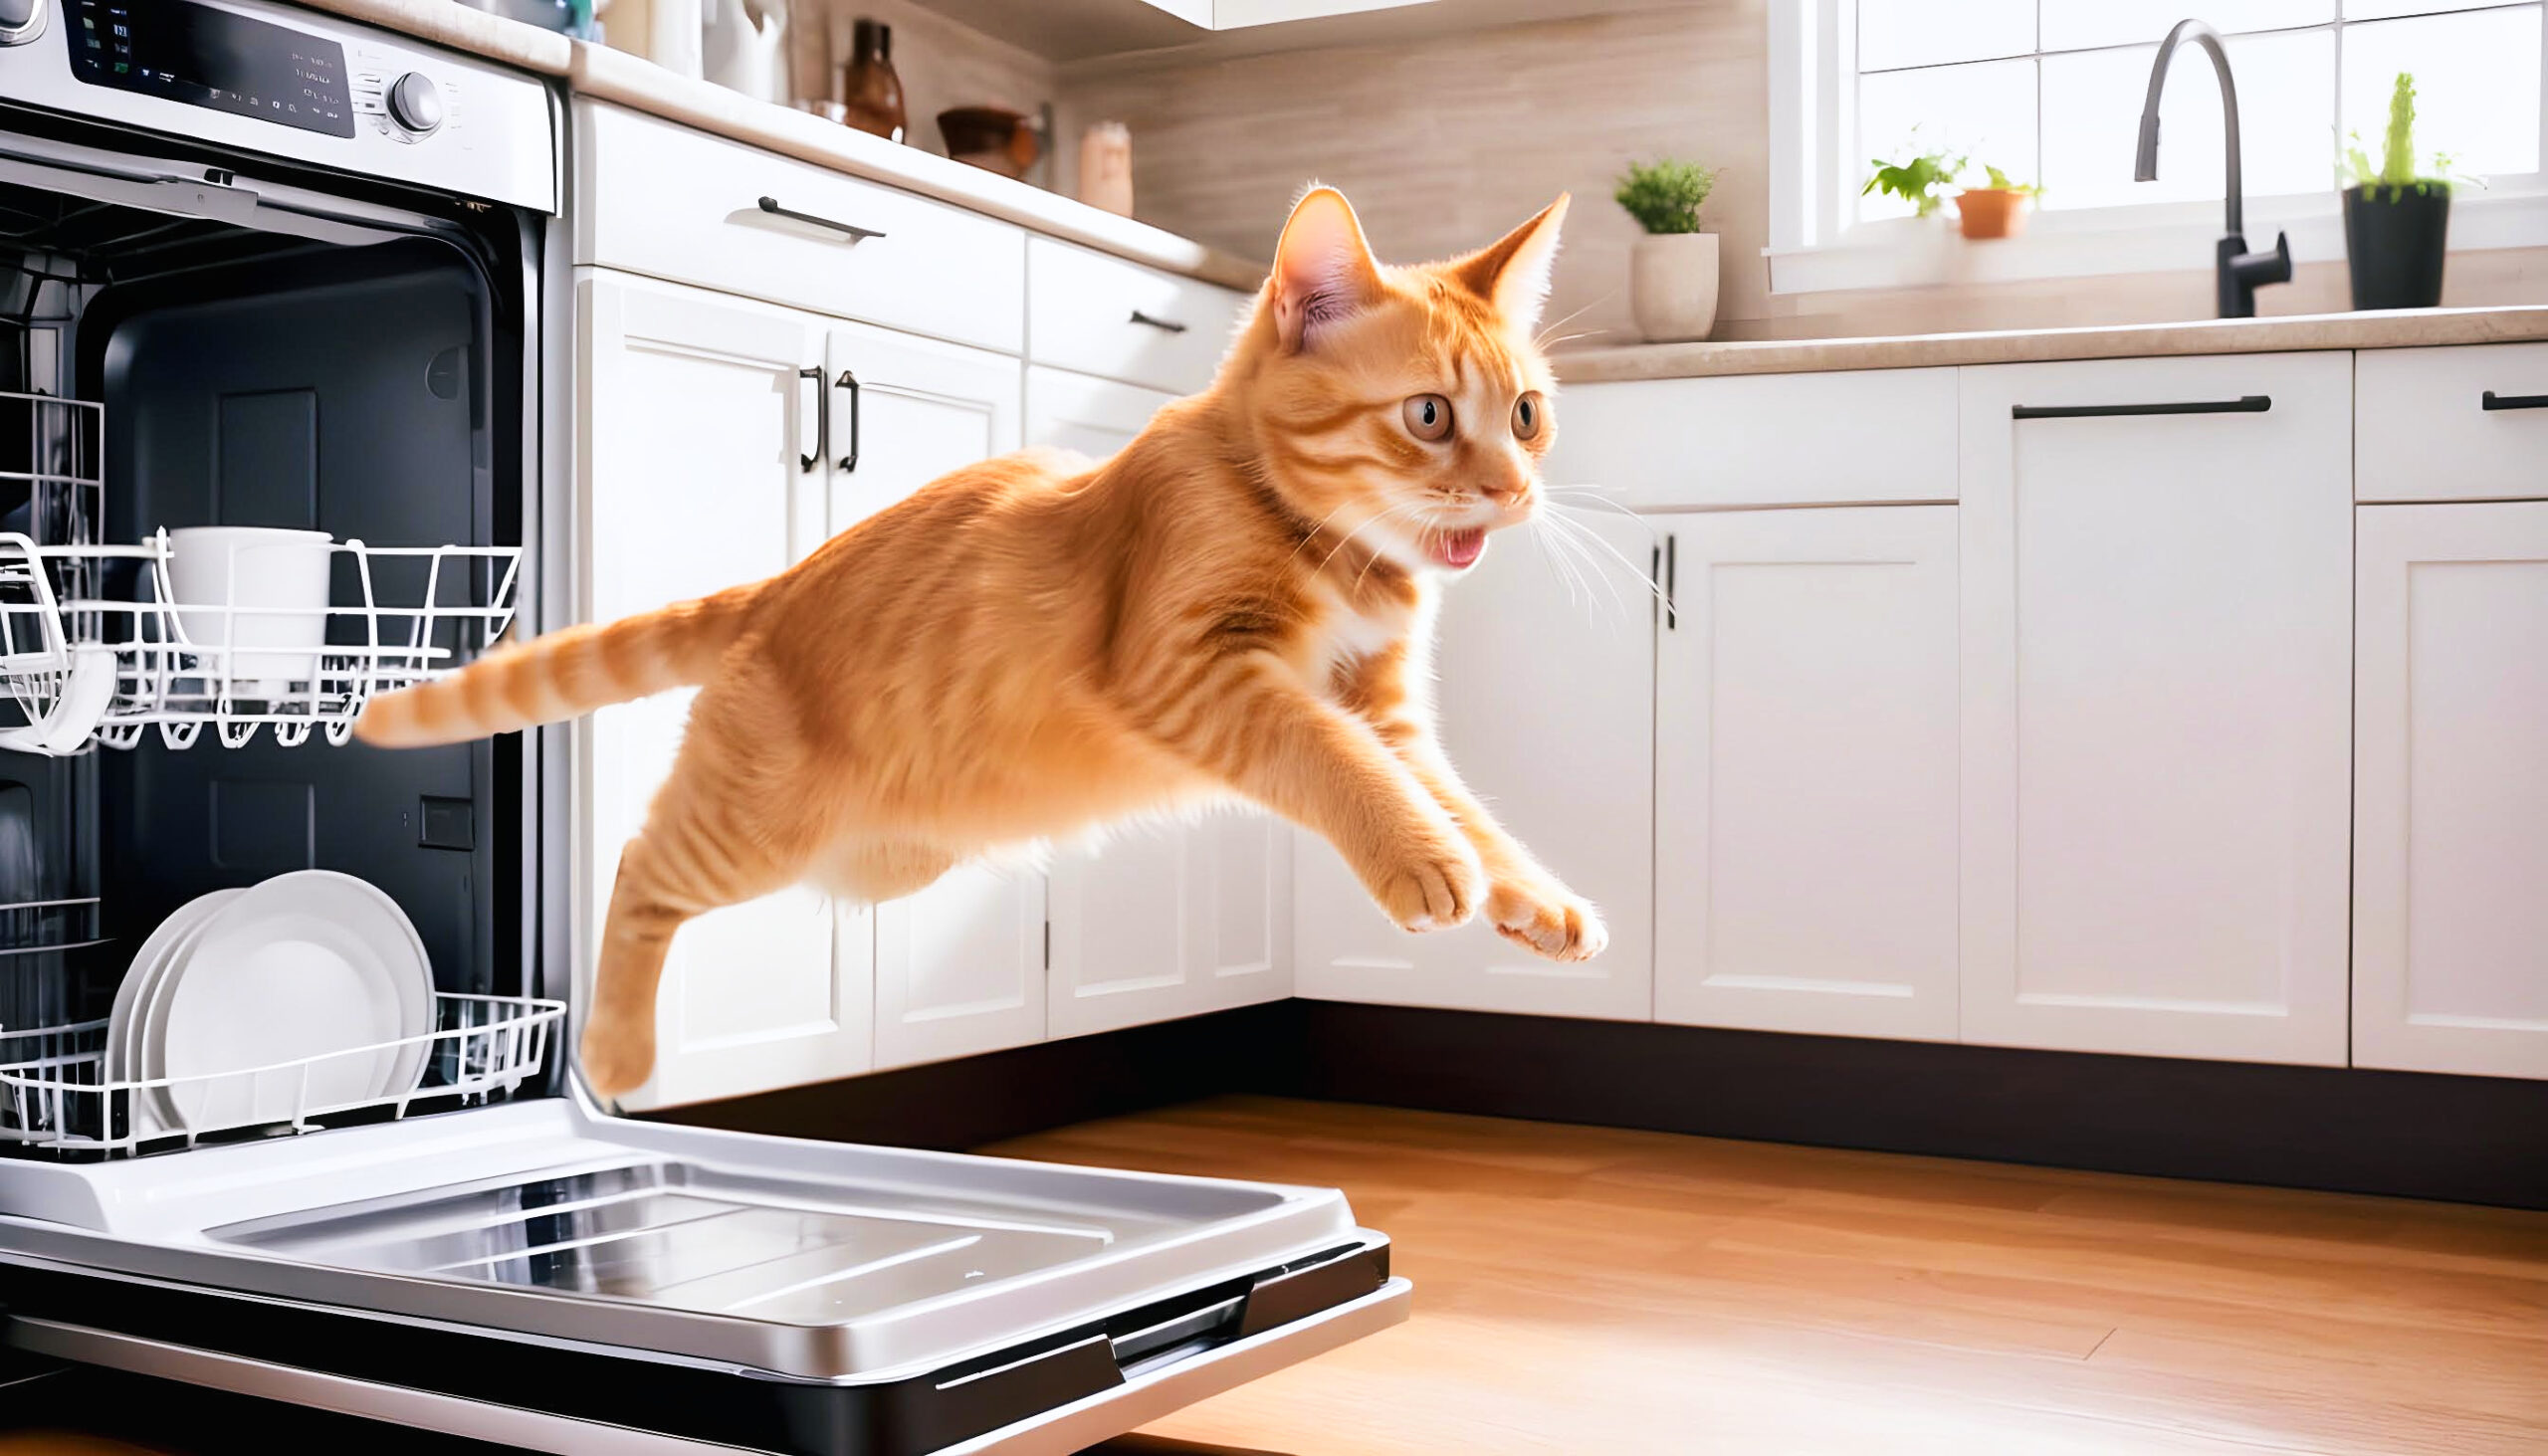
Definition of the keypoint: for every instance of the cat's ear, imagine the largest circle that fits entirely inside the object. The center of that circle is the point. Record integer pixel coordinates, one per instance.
(1323, 270)
(1513, 273)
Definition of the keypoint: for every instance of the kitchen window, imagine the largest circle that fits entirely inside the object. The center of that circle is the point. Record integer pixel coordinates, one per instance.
(2049, 90)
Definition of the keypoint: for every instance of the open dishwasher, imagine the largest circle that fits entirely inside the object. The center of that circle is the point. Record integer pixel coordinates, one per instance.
(269, 276)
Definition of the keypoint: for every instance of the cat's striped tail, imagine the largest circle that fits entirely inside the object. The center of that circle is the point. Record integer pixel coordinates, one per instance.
(566, 674)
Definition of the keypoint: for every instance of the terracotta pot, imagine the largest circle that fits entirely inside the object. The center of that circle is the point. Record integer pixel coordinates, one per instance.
(1672, 280)
(1992, 212)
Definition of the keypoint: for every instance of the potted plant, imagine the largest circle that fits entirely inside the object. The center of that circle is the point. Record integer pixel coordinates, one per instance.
(1920, 179)
(1672, 274)
(2397, 218)
(1996, 211)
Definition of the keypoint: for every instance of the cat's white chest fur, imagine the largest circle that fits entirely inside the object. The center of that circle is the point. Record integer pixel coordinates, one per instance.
(1353, 634)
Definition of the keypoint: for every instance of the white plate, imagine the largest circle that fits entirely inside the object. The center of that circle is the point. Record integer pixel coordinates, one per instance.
(132, 999)
(302, 966)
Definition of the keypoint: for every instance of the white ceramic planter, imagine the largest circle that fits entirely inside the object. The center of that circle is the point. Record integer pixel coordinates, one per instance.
(1672, 286)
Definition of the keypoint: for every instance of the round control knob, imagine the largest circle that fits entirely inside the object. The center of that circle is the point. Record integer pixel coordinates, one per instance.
(416, 104)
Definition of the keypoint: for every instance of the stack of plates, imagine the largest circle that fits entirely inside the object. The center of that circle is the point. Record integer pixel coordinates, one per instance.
(317, 975)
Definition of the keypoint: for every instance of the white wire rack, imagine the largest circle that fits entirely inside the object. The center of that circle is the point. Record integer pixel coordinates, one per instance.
(55, 1098)
(89, 668)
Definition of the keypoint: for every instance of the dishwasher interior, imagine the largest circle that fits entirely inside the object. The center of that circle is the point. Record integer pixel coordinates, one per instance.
(163, 372)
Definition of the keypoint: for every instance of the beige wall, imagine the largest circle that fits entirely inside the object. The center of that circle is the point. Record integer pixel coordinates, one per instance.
(1445, 144)
(942, 64)
(1442, 143)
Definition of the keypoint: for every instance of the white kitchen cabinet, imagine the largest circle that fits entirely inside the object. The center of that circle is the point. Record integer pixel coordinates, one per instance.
(1095, 417)
(1546, 700)
(1159, 920)
(2157, 665)
(1166, 920)
(905, 410)
(1806, 761)
(1854, 437)
(696, 409)
(959, 966)
(2451, 424)
(2451, 789)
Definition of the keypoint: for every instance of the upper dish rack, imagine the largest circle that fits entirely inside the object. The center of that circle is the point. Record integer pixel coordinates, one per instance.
(95, 645)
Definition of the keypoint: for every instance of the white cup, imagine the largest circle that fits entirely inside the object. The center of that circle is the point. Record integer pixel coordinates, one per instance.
(259, 592)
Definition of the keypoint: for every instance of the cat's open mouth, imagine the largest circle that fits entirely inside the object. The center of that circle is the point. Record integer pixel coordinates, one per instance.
(1457, 549)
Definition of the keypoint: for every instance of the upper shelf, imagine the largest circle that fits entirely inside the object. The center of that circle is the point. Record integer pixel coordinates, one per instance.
(1095, 32)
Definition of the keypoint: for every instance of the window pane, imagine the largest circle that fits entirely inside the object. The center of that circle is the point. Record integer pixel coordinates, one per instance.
(2071, 24)
(2286, 110)
(2476, 87)
(1927, 32)
(1986, 109)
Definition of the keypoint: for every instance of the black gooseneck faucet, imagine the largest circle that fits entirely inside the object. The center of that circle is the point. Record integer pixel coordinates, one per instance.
(2240, 273)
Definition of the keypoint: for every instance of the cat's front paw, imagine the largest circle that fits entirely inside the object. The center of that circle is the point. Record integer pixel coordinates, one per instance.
(1547, 918)
(1431, 884)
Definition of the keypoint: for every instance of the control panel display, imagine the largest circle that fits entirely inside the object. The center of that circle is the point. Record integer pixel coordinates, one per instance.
(204, 57)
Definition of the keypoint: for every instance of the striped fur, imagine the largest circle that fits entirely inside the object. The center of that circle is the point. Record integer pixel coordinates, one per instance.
(1235, 605)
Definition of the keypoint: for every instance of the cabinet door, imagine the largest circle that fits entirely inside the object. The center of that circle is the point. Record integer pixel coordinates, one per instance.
(1095, 417)
(960, 965)
(695, 410)
(1169, 920)
(1547, 706)
(2157, 636)
(1804, 818)
(2451, 789)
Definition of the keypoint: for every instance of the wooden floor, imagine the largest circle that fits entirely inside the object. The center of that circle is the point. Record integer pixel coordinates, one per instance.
(1586, 1291)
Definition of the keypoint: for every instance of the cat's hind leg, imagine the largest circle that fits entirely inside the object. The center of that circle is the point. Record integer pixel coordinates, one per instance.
(724, 829)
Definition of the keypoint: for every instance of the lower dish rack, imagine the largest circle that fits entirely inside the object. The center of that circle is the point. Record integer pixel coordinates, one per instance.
(85, 668)
(56, 1096)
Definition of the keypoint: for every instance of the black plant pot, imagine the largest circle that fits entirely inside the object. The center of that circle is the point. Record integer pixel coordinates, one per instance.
(2395, 237)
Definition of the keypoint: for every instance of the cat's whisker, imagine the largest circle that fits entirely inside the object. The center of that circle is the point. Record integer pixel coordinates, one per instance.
(1583, 534)
(1564, 532)
(1548, 558)
(1613, 506)
(1554, 326)
(1401, 508)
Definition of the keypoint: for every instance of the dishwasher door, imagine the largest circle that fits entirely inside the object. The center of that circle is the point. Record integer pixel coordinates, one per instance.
(684, 1284)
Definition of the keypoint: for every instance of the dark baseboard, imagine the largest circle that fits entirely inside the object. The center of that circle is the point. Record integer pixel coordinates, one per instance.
(2471, 1140)
(976, 1100)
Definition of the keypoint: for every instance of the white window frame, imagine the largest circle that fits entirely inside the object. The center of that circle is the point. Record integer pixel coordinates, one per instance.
(1818, 245)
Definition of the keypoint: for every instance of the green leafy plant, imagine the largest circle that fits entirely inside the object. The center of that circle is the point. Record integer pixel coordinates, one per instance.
(1665, 196)
(2396, 170)
(1920, 179)
(1998, 182)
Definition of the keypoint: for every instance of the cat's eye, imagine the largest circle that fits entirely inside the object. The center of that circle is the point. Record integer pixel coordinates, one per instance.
(1428, 417)
(1528, 413)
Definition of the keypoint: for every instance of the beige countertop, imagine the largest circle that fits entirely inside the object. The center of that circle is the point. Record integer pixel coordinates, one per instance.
(615, 75)
(2405, 328)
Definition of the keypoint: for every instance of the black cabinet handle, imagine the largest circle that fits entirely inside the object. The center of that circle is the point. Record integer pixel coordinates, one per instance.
(1654, 577)
(1170, 324)
(2245, 404)
(2493, 400)
(822, 419)
(856, 233)
(1671, 584)
(849, 381)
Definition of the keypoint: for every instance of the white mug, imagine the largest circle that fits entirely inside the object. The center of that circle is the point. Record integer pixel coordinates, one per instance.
(259, 592)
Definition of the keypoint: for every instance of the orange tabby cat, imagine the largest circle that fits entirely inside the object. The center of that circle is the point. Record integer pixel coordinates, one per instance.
(1238, 603)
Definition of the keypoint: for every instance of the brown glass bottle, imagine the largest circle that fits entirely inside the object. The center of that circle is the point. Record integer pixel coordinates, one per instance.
(869, 89)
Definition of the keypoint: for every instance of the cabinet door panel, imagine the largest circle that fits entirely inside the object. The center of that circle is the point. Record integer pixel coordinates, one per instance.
(2157, 635)
(959, 966)
(1546, 707)
(2451, 789)
(692, 398)
(919, 409)
(1161, 919)
(1806, 774)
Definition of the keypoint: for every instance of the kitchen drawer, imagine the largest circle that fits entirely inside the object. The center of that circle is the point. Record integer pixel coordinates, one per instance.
(1839, 439)
(2422, 431)
(1103, 316)
(665, 200)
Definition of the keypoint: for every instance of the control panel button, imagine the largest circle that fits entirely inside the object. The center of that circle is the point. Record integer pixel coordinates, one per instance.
(416, 104)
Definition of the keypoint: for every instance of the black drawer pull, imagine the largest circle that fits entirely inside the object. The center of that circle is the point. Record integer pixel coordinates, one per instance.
(2245, 404)
(2493, 400)
(822, 421)
(1170, 324)
(856, 233)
